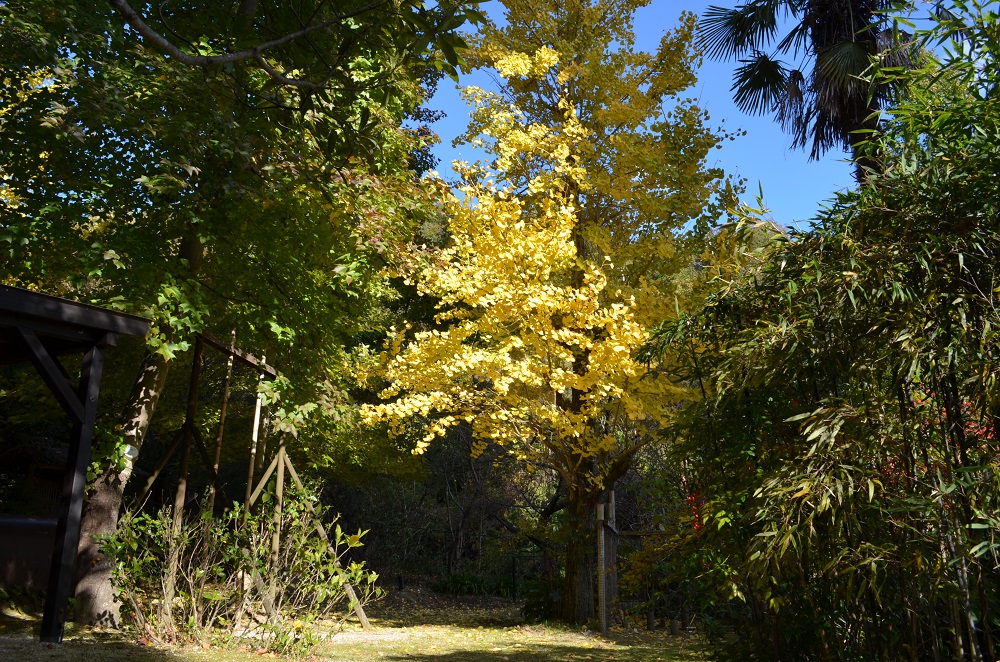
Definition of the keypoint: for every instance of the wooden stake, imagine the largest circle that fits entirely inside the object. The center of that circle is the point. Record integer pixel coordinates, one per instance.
(279, 498)
(222, 422)
(170, 580)
(253, 442)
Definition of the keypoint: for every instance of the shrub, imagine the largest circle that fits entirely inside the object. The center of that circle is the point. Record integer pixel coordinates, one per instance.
(230, 584)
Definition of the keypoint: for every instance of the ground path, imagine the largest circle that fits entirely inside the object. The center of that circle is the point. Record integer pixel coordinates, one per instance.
(413, 626)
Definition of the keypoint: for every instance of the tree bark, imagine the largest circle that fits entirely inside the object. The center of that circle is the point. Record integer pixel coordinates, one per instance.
(96, 603)
(578, 587)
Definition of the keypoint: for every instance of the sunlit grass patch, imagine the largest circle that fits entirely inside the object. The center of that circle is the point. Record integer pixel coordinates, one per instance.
(517, 643)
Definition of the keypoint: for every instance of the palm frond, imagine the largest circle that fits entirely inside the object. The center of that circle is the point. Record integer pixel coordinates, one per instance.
(759, 84)
(793, 112)
(844, 62)
(732, 33)
(797, 40)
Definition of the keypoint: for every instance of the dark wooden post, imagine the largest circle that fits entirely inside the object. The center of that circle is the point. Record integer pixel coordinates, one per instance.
(602, 606)
(222, 422)
(180, 497)
(611, 559)
(68, 525)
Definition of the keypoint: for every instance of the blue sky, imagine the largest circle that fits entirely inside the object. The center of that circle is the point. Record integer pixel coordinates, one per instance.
(794, 188)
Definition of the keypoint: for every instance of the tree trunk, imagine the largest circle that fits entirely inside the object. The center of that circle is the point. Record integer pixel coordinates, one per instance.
(96, 604)
(578, 587)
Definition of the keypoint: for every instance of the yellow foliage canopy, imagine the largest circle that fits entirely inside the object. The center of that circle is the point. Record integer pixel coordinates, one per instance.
(537, 341)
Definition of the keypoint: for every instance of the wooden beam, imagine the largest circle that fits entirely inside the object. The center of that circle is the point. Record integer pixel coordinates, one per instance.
(74, 336)
(238, 354)
(67, 539)
(53, 374)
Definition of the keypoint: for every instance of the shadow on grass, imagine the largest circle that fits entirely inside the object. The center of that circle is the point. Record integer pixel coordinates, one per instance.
(416, 608)
(538, 652)
(468, 618)
(78, 650)
(517, 644)
(534, 653)
(19, 633)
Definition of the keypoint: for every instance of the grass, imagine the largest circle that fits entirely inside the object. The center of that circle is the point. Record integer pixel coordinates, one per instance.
(414, 626)
(519, 643)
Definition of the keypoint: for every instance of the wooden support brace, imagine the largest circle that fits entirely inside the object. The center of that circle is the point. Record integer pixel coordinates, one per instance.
(272, 613)
(263, 482)
(203, 451)
(178, 438)
(54, 375)
(351, 594)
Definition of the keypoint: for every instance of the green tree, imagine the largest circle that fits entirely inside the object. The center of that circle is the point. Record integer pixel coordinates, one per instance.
(211, 194)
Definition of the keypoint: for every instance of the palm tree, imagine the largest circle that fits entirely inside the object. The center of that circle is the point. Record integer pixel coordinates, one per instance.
(822, 99)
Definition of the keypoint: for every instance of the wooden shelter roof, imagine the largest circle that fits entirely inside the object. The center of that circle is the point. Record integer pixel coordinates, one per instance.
(63, 326)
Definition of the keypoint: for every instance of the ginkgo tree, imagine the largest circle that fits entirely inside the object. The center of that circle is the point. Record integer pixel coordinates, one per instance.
(563, 248)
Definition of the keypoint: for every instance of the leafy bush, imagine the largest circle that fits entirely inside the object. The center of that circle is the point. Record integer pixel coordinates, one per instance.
(230, 585)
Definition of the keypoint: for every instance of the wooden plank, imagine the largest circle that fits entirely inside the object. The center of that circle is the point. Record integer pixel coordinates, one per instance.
(25, 302)
(243, 357)
(67, 537)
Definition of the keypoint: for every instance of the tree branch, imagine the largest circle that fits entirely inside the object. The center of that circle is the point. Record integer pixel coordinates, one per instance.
(136, 22)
